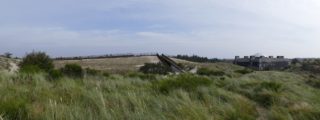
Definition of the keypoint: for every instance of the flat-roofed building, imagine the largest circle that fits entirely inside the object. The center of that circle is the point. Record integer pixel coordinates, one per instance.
(260, 62)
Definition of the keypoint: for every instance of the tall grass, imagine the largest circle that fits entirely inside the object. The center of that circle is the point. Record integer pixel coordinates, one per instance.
(189, 97)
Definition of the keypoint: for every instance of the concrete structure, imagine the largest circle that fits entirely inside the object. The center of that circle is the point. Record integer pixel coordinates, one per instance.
(169, 62)
(260, 62)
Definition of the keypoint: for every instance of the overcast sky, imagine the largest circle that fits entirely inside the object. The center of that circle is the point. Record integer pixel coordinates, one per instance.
(213, 28)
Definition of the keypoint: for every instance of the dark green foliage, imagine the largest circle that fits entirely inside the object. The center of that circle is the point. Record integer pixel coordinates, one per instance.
(265, 98)
(55, 74)
(30, 69)
(187, 82)
(36, 60)
(92, 72)
(155, 68)
(314, 82)
(106, 74)
(208, 72)
(73, 70)
(195, 58)
(13, 108)
(244, 71)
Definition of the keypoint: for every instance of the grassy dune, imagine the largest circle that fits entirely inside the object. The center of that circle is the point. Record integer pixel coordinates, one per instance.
(234, 96)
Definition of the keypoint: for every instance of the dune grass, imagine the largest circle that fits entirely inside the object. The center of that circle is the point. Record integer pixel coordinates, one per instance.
(281, 95)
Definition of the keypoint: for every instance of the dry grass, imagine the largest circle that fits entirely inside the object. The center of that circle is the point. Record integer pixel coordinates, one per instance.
(113, 65)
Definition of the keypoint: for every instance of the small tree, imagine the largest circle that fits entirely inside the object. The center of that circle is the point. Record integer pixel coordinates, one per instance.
(39, 60)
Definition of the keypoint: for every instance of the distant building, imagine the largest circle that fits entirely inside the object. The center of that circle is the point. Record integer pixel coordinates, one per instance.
(260, 62)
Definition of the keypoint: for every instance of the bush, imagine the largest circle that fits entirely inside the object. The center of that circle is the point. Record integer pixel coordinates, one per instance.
(106, 74)
(30, 69)
(208, 72)
(155, 68)
(73, 70)
(187, 82)
(55, 74)
(92, 72)
(244, 71)
(36, 60)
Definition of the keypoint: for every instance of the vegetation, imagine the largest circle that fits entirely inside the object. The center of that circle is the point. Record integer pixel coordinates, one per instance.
(73, 70)
(185, 81)
(30, 69)
(208, 72)
(155, 68)
(244, 71)
(92, 72)
(36, 62)
(195, 58)
(55, 75)
(280, 95)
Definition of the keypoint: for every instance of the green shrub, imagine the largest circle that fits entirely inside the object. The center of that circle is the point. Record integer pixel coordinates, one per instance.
(106, 74)
(36, 60)
(184, 81)
(30, 69)
(92, 72)
(155, 68)
(244, 71)
(208, 72)
(73, 70)
(55, 74)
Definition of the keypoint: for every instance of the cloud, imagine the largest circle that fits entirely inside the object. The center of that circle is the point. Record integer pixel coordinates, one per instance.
(212, 28)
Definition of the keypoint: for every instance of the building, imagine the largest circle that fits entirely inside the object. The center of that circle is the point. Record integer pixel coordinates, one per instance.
(260, 62)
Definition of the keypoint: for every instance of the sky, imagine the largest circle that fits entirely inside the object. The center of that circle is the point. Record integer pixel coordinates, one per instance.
(212, 28)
